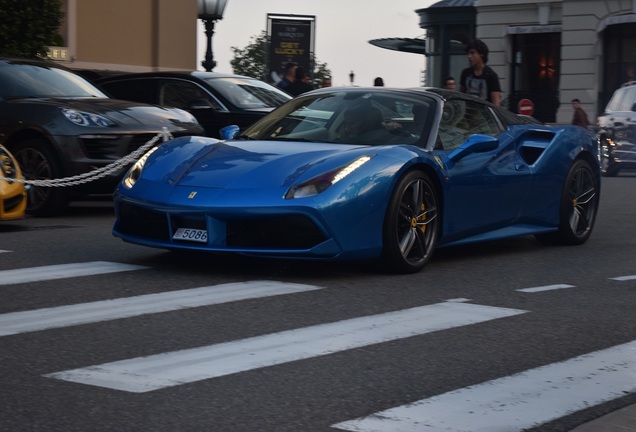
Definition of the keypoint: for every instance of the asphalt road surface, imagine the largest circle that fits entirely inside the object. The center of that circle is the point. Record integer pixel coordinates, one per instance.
(100, 335)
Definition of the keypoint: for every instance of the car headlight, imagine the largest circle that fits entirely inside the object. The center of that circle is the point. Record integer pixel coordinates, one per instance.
(323, 182)
(189, 118)
(82, 118)
(134, 173)
(7, 165)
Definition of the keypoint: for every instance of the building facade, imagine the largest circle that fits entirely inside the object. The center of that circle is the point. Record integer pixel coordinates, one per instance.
(549, 52)
(131, 36)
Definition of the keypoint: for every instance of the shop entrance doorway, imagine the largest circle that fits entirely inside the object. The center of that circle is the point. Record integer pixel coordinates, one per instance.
(535, 73)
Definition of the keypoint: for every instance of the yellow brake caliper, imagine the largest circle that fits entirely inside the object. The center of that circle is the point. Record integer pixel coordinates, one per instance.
(420, 218)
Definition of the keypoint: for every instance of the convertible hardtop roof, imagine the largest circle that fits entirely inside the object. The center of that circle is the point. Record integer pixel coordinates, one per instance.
(436, 92)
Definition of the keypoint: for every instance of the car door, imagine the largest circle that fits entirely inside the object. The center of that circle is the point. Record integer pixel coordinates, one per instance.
(486, 188)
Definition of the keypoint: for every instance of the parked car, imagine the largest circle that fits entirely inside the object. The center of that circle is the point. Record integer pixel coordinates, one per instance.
(216, 100)
(57, 125)
(365, 173)
(616, 131)
(12, 193)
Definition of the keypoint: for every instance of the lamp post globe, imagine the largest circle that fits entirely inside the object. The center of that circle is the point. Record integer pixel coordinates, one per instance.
(210, 11)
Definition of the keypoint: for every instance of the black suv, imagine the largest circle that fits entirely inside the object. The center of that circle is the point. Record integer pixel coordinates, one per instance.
(215, 99)
(58, 125)
(616, 131)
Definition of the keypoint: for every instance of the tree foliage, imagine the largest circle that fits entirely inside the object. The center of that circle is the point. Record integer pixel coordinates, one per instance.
(28, 28)
(250, 61)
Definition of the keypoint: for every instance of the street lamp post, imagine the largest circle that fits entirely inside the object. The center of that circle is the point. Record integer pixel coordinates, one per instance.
(210, 11)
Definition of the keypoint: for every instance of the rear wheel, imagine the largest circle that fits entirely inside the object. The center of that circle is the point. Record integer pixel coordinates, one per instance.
(579, 204)
(411, 226)
(38, 162)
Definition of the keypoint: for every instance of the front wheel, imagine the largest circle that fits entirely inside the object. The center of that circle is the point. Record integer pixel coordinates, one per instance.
(579, 204)
(38, 162)
(412, 224)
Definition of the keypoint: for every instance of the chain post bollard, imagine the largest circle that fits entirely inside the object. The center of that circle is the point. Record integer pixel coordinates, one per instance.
(78, 179)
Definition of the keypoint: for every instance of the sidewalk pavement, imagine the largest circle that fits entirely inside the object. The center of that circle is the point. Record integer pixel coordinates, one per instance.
(621, 420)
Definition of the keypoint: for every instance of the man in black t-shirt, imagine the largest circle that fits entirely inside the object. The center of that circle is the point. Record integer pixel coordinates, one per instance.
(478, 79)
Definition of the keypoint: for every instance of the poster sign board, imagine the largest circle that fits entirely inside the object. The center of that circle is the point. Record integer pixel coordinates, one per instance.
(290, 40)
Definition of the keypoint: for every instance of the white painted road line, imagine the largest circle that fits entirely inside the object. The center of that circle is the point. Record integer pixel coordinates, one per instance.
(515, 402)
(62, 271)
(546, 288)
(1, 251)
(155, 372)
(105, 310)
(624, 278)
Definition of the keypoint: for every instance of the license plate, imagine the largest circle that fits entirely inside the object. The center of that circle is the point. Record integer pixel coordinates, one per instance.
(191, 234)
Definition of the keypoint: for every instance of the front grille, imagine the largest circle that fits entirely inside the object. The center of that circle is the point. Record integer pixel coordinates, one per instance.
(140, 140)
(291, 232)
(277, 232)
(115, 146)
(141, 222)
(102, 147)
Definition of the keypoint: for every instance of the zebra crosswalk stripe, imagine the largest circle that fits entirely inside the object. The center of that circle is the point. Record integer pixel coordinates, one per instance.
(154, 372)
(84, 313)
(516, 402)
(62, 271)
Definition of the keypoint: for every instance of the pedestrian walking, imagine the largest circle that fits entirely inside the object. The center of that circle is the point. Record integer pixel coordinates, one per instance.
(580, 116)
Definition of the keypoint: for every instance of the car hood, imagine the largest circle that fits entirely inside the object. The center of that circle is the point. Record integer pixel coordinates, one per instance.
(122, 112)
(208, 163)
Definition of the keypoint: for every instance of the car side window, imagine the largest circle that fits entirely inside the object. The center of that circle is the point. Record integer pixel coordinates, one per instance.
(184, 95)
(628, 99)
(615, 102)
(138, 90)
(463, 118)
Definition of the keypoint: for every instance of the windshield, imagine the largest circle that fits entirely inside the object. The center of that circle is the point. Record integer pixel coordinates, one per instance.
(248, 93)
(22, 80)
(350, 116)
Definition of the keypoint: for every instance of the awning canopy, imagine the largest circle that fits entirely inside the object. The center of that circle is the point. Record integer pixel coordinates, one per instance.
(417, 46)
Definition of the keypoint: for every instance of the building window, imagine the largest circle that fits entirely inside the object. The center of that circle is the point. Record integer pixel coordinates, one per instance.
(619, 43)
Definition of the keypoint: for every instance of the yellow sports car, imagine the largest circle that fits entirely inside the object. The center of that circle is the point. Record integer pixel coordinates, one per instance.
(13, 197)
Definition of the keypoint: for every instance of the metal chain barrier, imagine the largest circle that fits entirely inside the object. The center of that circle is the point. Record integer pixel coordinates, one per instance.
(98, 173)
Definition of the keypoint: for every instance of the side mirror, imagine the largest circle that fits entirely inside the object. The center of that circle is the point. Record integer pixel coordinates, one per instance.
(476, 143)
(229, 132)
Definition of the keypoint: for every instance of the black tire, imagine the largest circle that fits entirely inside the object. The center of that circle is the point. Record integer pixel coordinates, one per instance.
(579, 206)
(411, 225)
(38, 162)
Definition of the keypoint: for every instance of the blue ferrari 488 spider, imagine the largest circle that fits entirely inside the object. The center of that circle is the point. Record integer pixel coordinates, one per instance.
(365, 173)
